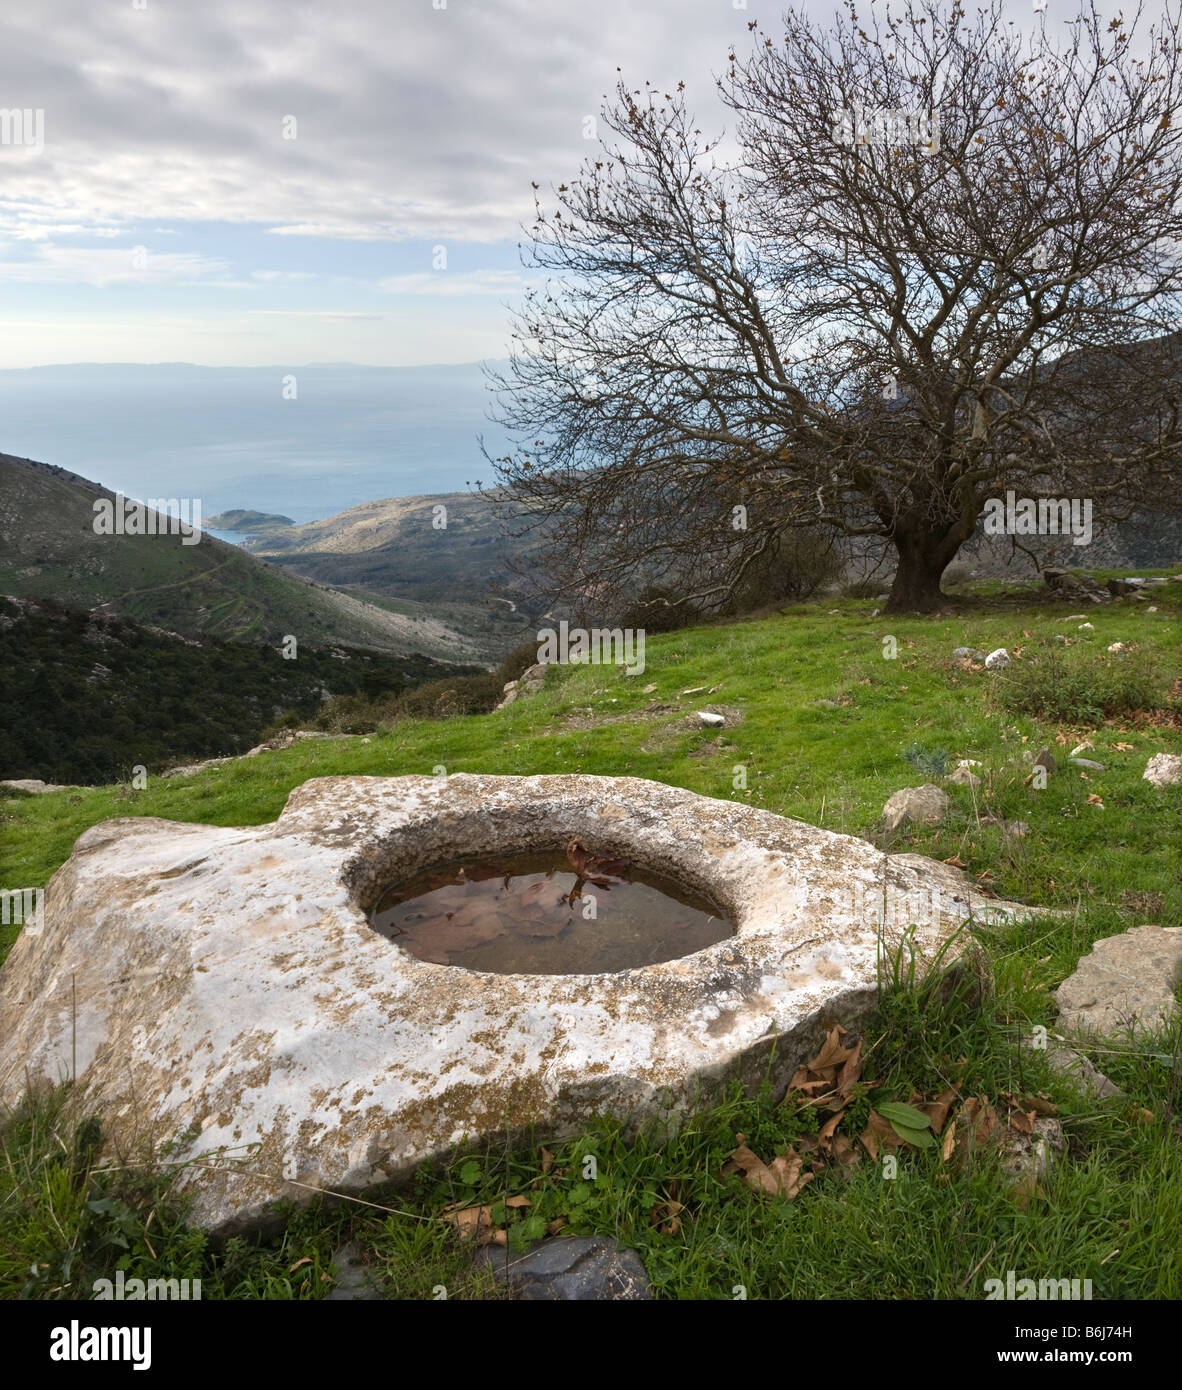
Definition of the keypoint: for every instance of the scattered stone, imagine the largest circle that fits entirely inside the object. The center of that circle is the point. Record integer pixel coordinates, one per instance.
(583, 1269)
(1117, 647)
(712, 721)
(1045, 758)
(964, 777)
(1065, 1061)
(697, 690)
(1164, 770)
(528, 683)
(997, 660)
(1018, 828)
(35, 787)
(1126, 980)
(1118, 588)
(1082, 747)
(1152, 608)
(1059, 579)
(1058, 637)
(968, 654)
(968, 762)
(355, 1280)
(1029, 1158)
(648, 689)
(1087, 627)
(1071, 617)
(1087, 762)
(927, 805)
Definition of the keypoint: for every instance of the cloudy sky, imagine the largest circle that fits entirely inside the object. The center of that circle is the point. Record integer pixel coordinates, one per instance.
(158, 209)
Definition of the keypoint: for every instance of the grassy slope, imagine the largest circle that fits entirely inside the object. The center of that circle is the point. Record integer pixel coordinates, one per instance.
(1121, 1185)
(48, 549)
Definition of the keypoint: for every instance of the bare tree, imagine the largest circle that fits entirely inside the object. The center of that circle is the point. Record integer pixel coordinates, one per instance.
(939, 260)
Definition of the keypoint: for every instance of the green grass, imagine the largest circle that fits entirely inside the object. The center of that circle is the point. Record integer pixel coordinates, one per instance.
(936, 1230)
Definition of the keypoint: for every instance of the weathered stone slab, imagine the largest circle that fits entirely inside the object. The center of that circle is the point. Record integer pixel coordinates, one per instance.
(1125, 981)
(222, 988)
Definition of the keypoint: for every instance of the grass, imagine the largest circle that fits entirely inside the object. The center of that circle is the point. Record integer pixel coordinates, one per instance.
(936, 1231)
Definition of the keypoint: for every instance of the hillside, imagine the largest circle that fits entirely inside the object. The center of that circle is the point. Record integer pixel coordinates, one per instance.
(394, 549)
(824, 729)
(49, 550)
(88, 696)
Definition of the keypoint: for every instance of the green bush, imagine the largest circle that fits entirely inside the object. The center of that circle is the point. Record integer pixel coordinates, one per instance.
(1080, 685)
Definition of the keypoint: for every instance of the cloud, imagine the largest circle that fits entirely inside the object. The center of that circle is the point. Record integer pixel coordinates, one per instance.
(99, 266)
(443, 282)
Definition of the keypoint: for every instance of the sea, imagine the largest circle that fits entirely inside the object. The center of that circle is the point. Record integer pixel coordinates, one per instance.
(305, 442)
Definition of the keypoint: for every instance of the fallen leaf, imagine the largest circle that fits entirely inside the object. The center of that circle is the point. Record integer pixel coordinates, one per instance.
(949, 1144)
(556, 1225)
(307, 1260)
(781, 1178)
(547, 1160)
(1040, 1105)
(664, 1217)
(937, 1110)
(1123, 747)
(956, 861)
(518, 1202)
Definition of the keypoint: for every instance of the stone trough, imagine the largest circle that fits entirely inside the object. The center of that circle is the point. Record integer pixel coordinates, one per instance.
(222, 989)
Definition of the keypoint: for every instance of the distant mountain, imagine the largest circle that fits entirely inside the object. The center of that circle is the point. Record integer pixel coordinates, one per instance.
(49, 550)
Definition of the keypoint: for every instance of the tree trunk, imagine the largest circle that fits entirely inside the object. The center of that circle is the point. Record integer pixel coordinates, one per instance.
(922, 560)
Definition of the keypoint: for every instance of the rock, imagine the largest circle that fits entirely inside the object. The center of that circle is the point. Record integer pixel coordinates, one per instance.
(355, 1280)
(1065, 1061)
(1059, 579)
(1083, 747)
(1118, 588)
(1117, 647)
(1087, 762)
(509, 685)
(1126, 980)
(1045, 758)
(648, 689)
(1029, 1158)
(695, 690)
(997, 660)
(712, 721)
(927, 805)
(35, 787)
(963, 777)
(1018, 828)
(584, 1269)
(1087, 627)
(230, 994)
(1058, 637)
(1164, 770)
(968, 654)
(1071, 617)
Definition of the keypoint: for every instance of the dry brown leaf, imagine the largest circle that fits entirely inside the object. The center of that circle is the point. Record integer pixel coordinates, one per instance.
(880, 1131)
(1123, 747)
(851, 1070)
(475, 1223)
(845, 1153)
(518, 1202)
(1040, 1105)
(307, 1260)
(825, 1133)
(665, 1218)
(781, 1178)
(556, 1225)
(956, 861)
(833, 1053)
(1095, 800)
(949, 1144)
(937, 1110)
(547, 1160)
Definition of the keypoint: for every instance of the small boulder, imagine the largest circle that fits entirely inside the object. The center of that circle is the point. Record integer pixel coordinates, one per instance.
(1087, 762)
(997, 660)
(1045, 758)
(968, 654)
(926, 805)
(1164, 770)
(964, 777)
(712, 721)
(574, 1269)
(1125, 980)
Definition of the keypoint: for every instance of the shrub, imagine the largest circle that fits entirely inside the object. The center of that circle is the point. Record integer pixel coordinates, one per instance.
(1080, 685)
(794, 566)
(653, 611)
